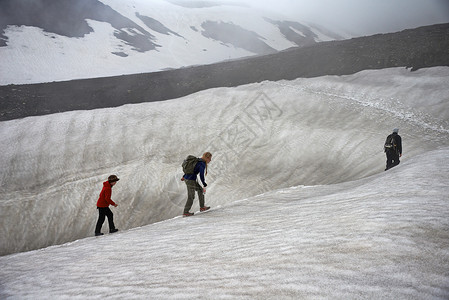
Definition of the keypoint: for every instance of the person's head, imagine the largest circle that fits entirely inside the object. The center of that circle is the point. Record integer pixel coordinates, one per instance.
(396, 130)
(207, 157)
(113, 179)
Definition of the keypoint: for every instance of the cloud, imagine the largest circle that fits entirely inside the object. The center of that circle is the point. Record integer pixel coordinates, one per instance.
(362, 16)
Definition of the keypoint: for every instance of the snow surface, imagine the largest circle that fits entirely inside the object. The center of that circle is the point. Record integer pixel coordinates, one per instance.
(302, 208)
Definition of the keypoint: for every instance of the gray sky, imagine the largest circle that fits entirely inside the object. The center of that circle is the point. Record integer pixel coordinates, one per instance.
(364, 16)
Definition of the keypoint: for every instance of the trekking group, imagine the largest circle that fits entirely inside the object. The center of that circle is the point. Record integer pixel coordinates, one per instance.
(194, 166)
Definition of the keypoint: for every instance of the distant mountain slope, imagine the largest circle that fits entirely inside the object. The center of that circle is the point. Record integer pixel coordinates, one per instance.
(415, 48)
(69, 18)
(47, 40)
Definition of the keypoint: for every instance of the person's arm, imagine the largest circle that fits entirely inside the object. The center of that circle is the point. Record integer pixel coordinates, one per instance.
(202, 168)
(107, 196)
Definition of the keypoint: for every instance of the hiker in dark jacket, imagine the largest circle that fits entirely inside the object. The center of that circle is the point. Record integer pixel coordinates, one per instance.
(393, 149)
(193, 185)
(103, 206)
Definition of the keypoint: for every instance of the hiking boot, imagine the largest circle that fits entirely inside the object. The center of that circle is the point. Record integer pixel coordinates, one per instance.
(187, 214)
(204, 208)
(98, 233)
(113, 230)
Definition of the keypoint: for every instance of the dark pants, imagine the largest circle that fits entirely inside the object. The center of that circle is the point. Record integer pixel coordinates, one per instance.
(392, 159)
(102, 213)
(193, 186)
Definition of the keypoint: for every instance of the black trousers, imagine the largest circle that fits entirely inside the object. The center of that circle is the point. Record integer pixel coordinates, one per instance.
(392, 159)
(104, 212)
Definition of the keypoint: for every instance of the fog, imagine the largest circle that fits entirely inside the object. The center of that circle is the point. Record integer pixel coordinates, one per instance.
(364, 17)
(358, 17)
(117, 38)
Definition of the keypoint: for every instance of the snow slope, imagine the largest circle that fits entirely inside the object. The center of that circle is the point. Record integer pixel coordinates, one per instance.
(139, 36)
(382, 237)
(264, 137)
(301, 206)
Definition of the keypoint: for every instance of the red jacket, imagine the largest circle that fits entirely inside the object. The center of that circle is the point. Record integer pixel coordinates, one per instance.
(105, 196)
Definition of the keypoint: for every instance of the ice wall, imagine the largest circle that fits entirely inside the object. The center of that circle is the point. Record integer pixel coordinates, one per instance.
(263, 137)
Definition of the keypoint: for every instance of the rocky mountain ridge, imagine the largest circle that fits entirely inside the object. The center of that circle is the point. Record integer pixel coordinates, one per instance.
(414, 48)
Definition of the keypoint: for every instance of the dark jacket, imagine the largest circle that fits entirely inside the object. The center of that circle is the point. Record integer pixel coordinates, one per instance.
(200, 167)
(397, 141)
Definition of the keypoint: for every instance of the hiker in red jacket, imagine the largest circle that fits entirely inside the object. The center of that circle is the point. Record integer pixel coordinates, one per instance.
(103, 206)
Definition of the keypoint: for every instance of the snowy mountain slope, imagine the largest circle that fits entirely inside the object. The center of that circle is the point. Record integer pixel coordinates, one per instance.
(264, 137)
(381, 237)
(42, 41)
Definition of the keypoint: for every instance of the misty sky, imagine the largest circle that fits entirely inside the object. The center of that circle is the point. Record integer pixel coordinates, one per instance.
(364, 16)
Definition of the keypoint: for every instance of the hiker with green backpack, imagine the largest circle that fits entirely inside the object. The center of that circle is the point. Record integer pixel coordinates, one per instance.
(393, 149)
(192, 166)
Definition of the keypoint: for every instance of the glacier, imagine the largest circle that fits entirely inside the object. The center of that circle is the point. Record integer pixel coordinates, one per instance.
(301, 205)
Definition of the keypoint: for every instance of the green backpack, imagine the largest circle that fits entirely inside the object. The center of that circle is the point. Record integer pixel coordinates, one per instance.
(188, 165)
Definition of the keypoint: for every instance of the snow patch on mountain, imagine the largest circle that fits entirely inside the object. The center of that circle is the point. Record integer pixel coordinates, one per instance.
(46, 42)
